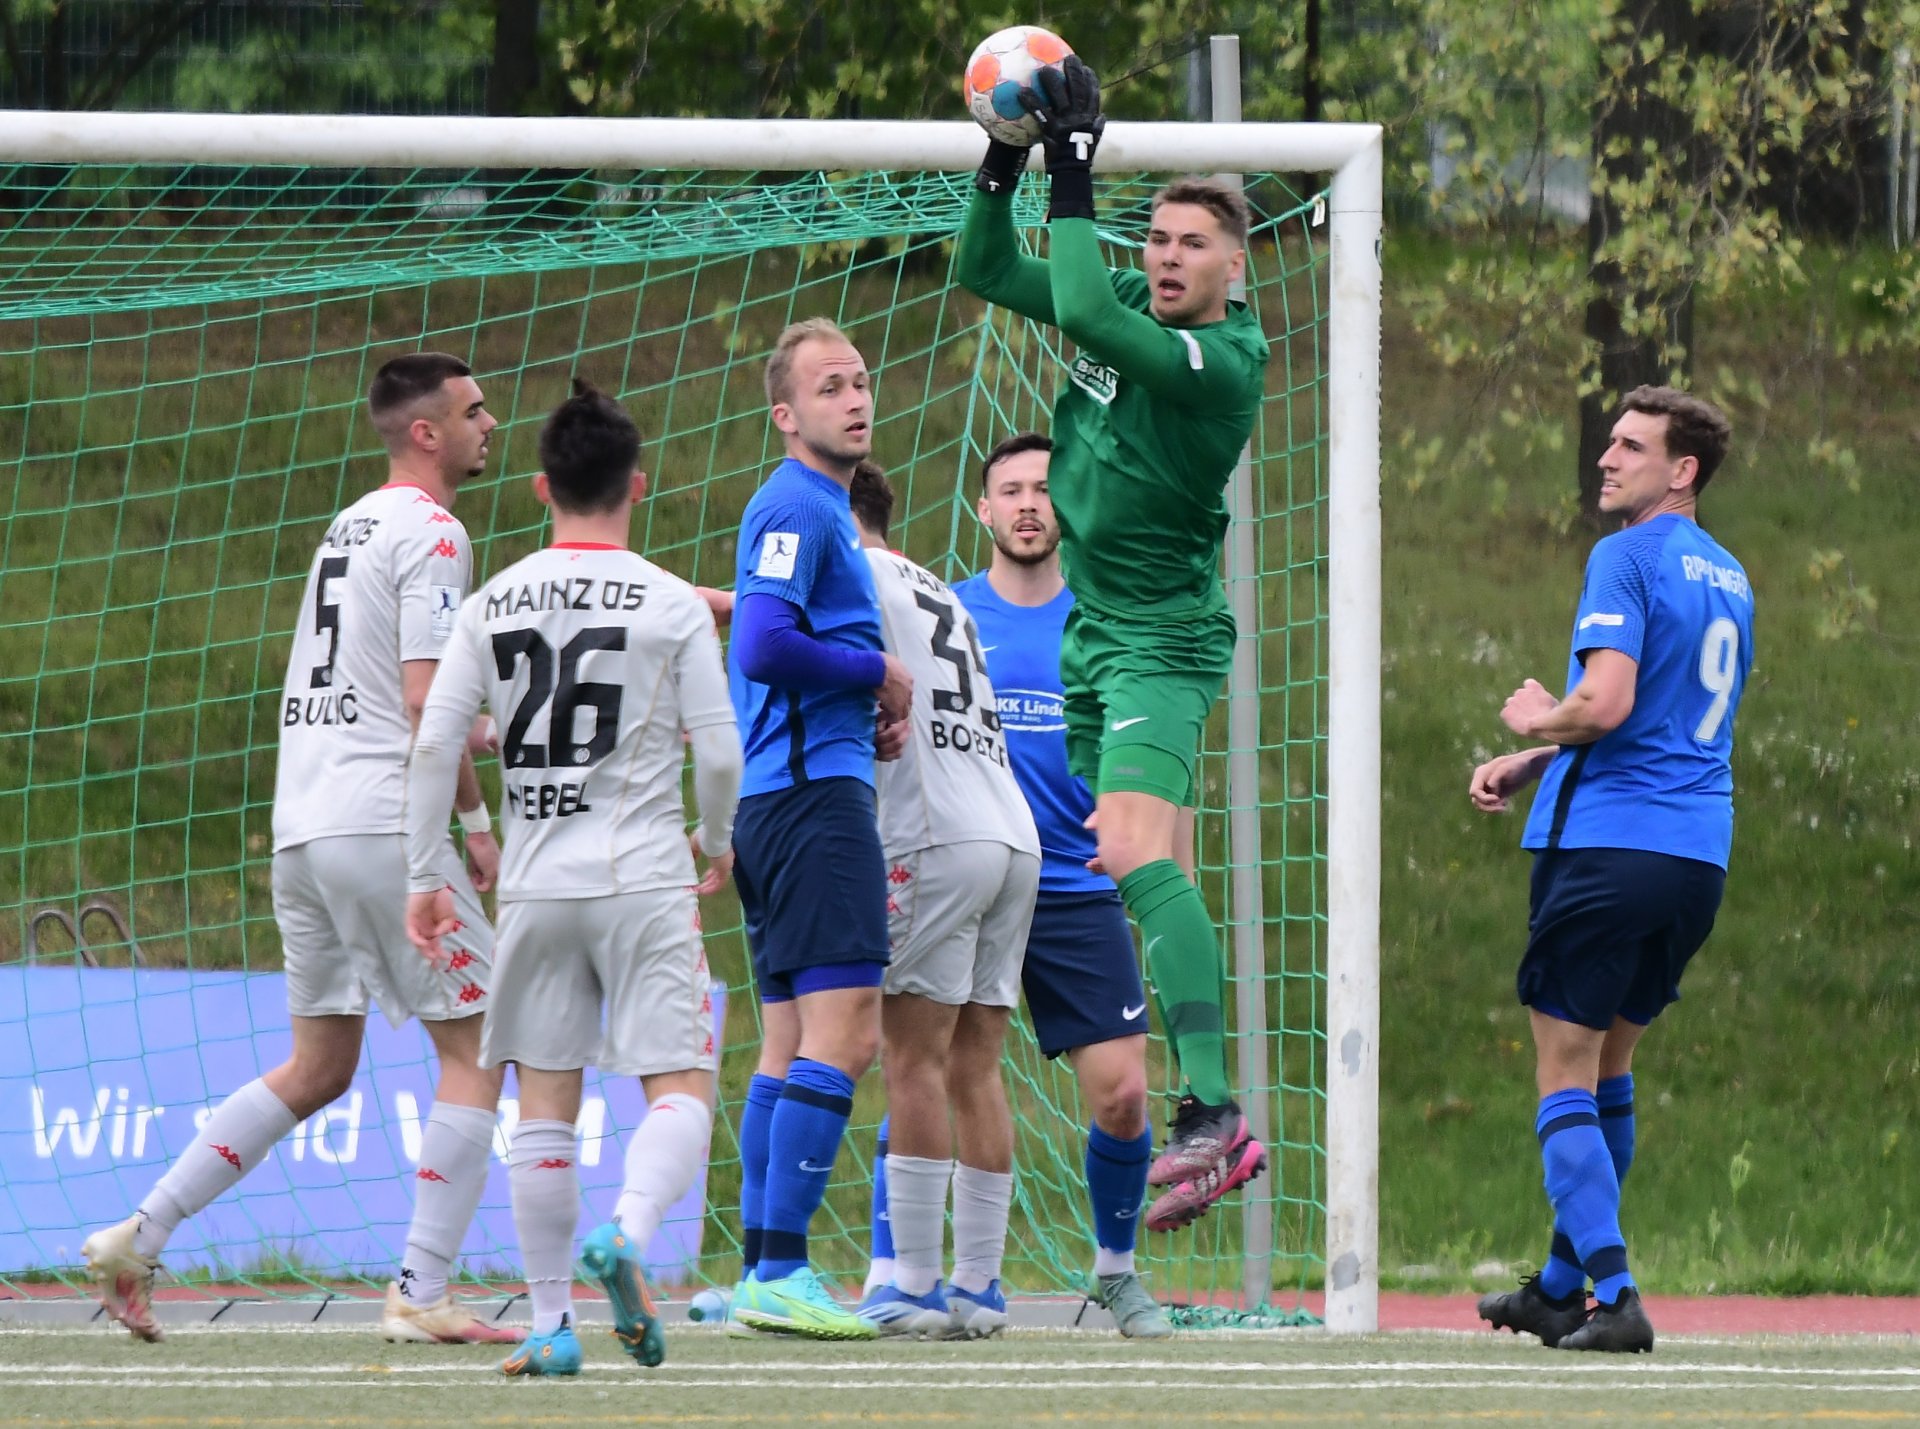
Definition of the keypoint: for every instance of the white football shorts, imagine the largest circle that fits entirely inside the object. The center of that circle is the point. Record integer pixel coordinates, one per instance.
(636, 958)
(341, 903)
(957, 916)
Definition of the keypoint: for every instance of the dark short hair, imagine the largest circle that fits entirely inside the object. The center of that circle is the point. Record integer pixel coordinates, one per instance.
(871, 496)
(404, 380)
(1695, 427)
(1225, 203)
(1010, 447)
(589, 449)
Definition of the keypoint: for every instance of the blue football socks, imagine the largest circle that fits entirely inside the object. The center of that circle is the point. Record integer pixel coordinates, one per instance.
(882, 1227)
(802, 1142)
(756, 1120)
(1116, 1185)
(1583, 1188)
(1562, 1275)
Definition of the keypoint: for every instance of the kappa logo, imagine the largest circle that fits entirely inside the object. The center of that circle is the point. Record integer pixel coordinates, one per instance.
(900, 873)
(472, 992)
(553, 1163)
(439, 516)
(446, 548)
(427, 1173)
(226, 1154)
(459, 960)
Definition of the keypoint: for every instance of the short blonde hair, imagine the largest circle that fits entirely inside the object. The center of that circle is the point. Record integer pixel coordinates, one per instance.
(780, 364)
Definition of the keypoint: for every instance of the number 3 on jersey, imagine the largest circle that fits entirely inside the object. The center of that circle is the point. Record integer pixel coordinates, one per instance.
(965, 662)
(1719, 667)
(569, 695)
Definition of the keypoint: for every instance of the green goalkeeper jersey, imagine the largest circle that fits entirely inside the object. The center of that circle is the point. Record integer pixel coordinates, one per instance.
(1149, 427)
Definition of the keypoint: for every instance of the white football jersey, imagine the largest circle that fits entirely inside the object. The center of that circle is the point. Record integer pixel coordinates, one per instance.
(385, 586)
(592, 661)
(954, 783)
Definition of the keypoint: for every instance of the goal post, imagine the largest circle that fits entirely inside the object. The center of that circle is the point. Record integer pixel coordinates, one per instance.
(1013, 367)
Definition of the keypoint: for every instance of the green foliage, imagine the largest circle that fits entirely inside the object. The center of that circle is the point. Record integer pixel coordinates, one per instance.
(804, 58)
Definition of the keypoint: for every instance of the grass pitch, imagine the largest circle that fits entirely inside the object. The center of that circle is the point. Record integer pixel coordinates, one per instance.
(296, 1376)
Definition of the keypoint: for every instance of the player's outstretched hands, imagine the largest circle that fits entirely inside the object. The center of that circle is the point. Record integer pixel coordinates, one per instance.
(430, 918)
(896, 691)
(718, 870)
(1526, 707)
(483, 860)
(1066, 101)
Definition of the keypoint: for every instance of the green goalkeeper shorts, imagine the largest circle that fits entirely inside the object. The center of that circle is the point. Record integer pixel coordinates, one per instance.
(1138, 694)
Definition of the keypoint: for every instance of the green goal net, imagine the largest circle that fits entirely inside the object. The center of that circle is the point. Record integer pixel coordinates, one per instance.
(183, 355)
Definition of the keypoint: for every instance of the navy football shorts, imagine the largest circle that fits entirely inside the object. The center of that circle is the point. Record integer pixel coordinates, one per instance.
(1611, 930)
(1082, 976)
(813, 886)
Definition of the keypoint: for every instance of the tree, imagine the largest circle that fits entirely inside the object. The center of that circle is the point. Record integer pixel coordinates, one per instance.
(139, 36)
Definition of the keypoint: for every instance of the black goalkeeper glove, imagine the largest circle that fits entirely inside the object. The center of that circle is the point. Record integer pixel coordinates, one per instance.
(1067, 104)
(1000, 171)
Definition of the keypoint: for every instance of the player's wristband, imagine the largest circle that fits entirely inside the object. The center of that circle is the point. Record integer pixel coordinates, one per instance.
(1000, 171)
(1072, 190)
(476, 820)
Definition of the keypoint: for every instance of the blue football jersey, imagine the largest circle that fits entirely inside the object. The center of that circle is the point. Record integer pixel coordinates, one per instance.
(1669, 596)
(797, 542)
(1022, 646)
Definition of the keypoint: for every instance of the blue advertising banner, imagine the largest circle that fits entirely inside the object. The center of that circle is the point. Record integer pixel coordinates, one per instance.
(106, 1074)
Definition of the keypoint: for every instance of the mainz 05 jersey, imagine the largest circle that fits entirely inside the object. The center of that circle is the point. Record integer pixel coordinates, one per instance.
(385, 586)
(954, 783)
(592, 660)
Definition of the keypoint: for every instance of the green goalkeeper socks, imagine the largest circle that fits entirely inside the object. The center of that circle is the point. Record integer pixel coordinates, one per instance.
(1183, 958)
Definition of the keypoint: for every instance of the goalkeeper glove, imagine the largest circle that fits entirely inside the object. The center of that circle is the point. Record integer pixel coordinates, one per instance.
(1000, 171)
(1067, 104)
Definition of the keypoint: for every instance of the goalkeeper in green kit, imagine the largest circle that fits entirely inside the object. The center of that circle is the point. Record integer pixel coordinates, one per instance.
(1162, 396)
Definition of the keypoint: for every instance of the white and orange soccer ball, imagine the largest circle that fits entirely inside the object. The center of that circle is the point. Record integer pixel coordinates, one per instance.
(1003, 64)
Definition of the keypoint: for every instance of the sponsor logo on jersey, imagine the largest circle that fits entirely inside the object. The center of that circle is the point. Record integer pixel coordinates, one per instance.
(1031, 711)
(472, 992)
(438, 516)
(900, 873)
(1096, 379)
(778, 550)
(446, 608)
(446, 548)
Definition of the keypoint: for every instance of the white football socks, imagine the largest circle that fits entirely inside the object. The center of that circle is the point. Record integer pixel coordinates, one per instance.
(917, 1205)
(981, 1203)
(454, 1147)
(241, 1131)
(546, 1209)
(665, 1156)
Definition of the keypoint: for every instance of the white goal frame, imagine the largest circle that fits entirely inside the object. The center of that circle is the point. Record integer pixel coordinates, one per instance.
(1352, 153)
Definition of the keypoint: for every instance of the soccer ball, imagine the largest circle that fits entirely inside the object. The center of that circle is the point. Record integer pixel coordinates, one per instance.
(1003, 64)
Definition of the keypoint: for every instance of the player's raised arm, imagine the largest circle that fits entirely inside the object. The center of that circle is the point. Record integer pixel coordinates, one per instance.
(1160, 349)
(989, 263)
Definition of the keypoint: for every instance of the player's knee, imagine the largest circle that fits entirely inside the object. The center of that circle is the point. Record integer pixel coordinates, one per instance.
(1120, 1105)
(313, 1084)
